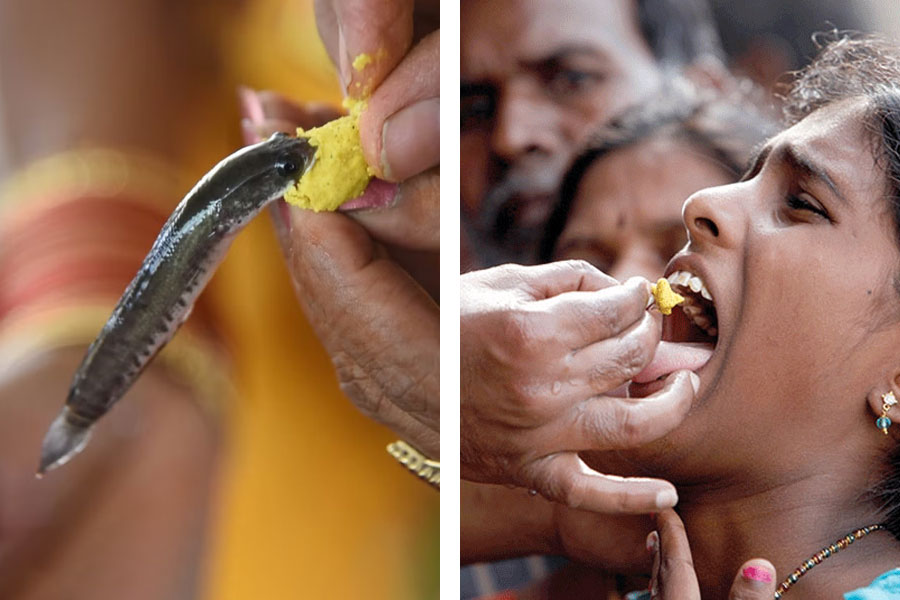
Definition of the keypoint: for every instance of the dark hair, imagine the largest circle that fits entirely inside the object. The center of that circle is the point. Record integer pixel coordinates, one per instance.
(727, 129)
(789, 25)
(864, 67)
(679, 32)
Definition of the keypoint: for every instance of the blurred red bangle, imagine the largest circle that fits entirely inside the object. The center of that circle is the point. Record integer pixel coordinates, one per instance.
(74, 229)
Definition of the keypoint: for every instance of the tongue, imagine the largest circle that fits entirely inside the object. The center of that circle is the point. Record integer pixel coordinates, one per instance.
(671, 356)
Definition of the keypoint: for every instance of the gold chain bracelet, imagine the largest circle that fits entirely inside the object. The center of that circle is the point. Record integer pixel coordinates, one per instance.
(424, 468)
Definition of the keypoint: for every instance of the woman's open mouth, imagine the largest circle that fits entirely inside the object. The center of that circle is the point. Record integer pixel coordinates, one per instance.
(689, 334)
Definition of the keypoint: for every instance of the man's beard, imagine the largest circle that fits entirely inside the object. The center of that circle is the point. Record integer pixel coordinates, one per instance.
(511, 221)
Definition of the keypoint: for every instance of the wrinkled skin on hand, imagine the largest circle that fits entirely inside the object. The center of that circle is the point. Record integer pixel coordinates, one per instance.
(361, 277)
(541, 350)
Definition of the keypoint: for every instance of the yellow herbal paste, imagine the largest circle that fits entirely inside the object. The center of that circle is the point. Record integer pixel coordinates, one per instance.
(665, 298)
(339, 172)
(362, 61)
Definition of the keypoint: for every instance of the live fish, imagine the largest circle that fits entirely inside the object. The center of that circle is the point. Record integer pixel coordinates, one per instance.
(189, 248)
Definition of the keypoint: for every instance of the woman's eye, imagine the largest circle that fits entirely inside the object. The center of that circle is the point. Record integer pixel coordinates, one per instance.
(796, 202)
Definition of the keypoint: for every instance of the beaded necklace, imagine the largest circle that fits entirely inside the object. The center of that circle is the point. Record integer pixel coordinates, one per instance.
(821, 555)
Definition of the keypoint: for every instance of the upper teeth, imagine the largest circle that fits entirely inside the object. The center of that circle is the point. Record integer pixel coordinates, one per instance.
(693, 311)
(691, 281)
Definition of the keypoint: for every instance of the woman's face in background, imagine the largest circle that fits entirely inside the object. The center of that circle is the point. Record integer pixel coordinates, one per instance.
(626, 216)
(800, 259)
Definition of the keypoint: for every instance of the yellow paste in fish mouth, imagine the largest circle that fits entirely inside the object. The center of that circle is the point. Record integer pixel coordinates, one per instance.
(339, 172)
(665, 298)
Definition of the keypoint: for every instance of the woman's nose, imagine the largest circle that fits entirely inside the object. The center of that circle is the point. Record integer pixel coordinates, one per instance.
(715, 217)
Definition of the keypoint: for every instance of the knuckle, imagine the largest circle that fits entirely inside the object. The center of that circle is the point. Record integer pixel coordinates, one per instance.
(625, 502)
(670, 565)
(601, 376)
(356, 383)
(633, 427)
(622, 426)
(607, 313)
(525, 331)
(382, 391)
(572, 491)
(596, 423)
(563, 487)
(578, 265)
(627, 360)
(632, 355)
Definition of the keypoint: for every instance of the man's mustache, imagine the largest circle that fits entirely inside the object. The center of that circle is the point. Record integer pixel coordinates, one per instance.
(496, 230)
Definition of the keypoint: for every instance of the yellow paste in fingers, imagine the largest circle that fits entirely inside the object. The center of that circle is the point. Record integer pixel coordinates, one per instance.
(339, 172)
(665, 298)
(362, 61)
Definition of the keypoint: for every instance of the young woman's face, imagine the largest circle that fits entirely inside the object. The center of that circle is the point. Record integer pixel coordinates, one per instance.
(800, 259)
(626, 215)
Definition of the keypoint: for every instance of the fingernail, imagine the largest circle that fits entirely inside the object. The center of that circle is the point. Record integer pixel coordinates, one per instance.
(344, 60)
(640, 282)
(410, 140)
(250, 105)
(757, 574)
(666, 499)
(653, 542)
(695, 381)
(379, 194)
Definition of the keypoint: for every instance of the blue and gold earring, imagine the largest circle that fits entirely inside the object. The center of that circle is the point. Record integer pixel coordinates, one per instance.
(883, 422)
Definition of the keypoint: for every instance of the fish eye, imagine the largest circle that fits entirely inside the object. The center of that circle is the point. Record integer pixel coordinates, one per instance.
(286, 166)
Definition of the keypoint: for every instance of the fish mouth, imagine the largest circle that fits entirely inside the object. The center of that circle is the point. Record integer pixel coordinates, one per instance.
(689, 337)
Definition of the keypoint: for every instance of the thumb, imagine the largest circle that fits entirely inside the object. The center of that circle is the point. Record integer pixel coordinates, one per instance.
(399, 130)
(755, 581)
(381, 29)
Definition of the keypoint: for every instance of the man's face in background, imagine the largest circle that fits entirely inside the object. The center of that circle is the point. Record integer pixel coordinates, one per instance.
(537, 78)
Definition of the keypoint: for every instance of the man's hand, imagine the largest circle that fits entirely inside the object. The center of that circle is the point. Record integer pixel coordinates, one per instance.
(541, 350)
(371, 313)
(400, 126)
(674, 577)
(498, 523)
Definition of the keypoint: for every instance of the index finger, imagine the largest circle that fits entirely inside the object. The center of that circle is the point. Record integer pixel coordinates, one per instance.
(399, 130)
(587, 317)
(381, 30)
(677, 578)
(551, 279)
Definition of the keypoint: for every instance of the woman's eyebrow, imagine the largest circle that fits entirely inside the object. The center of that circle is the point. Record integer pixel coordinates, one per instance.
(757, 162)
(802, 163)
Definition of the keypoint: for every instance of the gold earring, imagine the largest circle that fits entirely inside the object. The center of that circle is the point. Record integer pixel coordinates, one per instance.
(883, 422)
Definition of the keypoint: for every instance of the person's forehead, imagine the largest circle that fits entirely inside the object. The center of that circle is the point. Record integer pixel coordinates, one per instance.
(651, 180)
(836, 138)
(529, 30)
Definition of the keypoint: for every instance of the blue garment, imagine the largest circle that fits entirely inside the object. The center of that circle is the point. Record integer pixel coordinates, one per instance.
(884, 587)
(484, 579)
